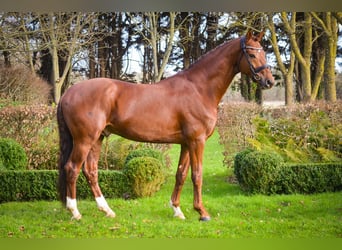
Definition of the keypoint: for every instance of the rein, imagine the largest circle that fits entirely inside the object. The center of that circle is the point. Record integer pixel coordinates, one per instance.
(254, 70)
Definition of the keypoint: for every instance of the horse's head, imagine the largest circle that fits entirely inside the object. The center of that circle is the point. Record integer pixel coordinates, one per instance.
(253, 61)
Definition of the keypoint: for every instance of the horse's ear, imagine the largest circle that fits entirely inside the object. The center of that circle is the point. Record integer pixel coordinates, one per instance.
(249, 34)
(261, 35)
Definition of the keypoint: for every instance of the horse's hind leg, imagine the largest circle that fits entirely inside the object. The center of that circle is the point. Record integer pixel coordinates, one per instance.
(90, 171)
(182, 171)
(72, 168)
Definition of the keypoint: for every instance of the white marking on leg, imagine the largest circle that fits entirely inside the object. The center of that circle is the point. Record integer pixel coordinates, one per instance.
(71, 204)
(177, 211)
(103, 206)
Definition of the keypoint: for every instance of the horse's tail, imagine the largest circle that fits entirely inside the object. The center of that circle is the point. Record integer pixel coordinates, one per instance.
(65, 145)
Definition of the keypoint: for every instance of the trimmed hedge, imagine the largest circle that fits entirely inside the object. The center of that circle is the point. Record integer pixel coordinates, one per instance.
(266, 173)
(42, 185)
(12, 155)
(310, 178)
(142, 175)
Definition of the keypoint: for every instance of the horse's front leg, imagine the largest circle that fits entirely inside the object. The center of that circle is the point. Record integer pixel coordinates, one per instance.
(182, 171)
(90, 171)
(196, 159)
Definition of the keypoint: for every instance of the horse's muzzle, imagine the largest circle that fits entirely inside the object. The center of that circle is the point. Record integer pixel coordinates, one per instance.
(265, 83)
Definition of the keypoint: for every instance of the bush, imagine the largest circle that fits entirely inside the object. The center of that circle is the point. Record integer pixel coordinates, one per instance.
(12, 155)
(145, 175)
(141, 176)
(42, 185)
(266, 173)
(303, 133)
(19, 85)
(238, 163)
(235, 127)
(299, 133)
(257, 171)
(35, 128)
(114, 152)
(310, 178)
(142, 152)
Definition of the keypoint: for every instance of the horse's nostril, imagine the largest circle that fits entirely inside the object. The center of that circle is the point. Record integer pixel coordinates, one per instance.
(269, 83)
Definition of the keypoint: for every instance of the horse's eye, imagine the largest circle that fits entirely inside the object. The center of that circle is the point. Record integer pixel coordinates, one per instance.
(251, 55)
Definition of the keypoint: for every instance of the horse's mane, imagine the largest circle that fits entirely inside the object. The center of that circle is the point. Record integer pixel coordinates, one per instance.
(212, 51)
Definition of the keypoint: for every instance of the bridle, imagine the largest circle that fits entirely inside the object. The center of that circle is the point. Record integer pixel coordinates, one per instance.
(254, 71)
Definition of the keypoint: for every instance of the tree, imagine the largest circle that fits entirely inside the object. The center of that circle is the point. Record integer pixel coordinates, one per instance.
(303, 57)
(64, 32)
(155, 39)
(328, 23)
(286, 68)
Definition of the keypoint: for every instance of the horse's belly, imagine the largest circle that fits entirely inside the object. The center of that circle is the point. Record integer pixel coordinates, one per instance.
(145, 133)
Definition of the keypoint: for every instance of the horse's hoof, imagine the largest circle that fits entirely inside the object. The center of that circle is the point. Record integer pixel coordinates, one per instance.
(206, 218)
(76, 217)
(179, 216)
(111, 215)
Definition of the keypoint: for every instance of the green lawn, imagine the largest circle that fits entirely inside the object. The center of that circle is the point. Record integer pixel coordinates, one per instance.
(234, 214)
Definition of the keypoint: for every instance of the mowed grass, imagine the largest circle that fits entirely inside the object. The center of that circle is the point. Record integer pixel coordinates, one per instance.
(234, 214)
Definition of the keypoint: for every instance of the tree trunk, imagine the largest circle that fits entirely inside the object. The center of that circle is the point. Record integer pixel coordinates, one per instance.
(196, 47)
(331, 39)
(288, 79)
(304, 58)
(102, 57)
(7, 56)
(287, 71)
(317, 74)
(328, 22)
(185, 37)
(212, 23)
(329, 76)
(92, 63)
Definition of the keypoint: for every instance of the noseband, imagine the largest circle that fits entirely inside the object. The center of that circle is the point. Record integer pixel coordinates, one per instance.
(254, 70)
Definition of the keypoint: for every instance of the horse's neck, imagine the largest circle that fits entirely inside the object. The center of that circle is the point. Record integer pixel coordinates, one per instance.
(214, 71)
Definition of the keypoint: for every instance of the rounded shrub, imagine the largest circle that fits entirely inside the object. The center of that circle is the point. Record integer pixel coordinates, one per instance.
(238, 162)
(145, 175)
(258, 171)
(148, 152)
(12, 155)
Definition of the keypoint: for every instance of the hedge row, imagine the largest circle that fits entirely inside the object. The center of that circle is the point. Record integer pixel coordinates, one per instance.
(266, 173)
(42, 185)
(311, 178)
(143, 174)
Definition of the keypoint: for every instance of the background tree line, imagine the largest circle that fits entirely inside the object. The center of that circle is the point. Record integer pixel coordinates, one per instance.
(56, 46)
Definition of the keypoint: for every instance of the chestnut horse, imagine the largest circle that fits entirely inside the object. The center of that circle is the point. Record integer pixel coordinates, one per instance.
(181, 109)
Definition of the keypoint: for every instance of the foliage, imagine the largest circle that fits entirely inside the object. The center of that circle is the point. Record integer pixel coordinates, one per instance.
(310, 178)
(19, 85)
(141, 176)
(146, 152)
(299, 133)
(41, 185)
(266, 173)
(310, 133)
(145, 175)
(257, 171)
(114, 152)
(34, 127)
(235, 127)
(12, 155)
